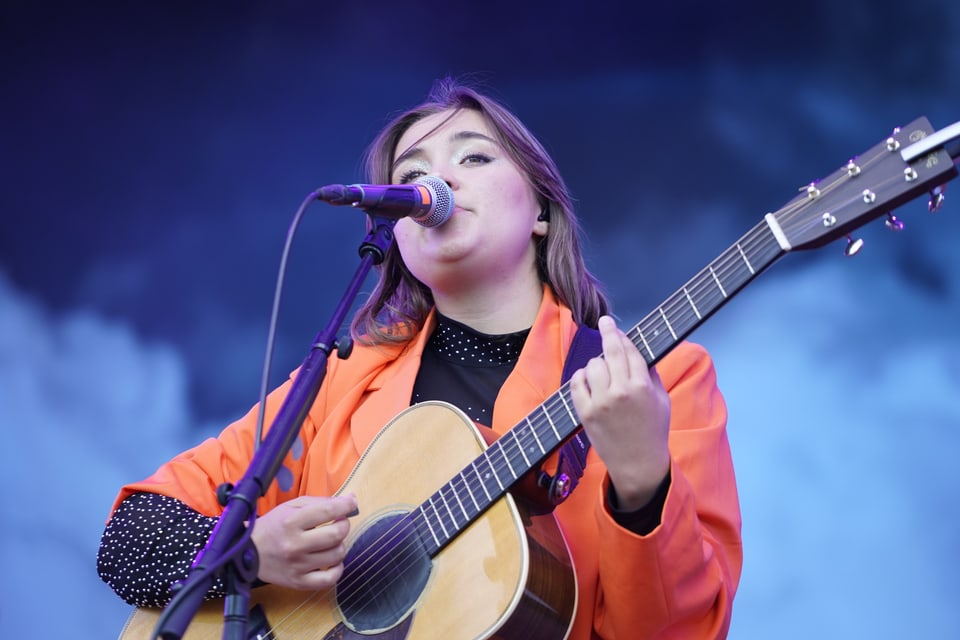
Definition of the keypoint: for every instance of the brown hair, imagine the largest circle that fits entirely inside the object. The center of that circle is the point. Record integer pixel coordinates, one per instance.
(400, 299)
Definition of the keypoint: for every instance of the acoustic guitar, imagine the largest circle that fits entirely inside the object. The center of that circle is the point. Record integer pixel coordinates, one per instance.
(444, 550)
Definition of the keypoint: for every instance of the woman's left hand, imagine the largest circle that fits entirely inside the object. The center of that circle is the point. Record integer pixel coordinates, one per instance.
(626, 413)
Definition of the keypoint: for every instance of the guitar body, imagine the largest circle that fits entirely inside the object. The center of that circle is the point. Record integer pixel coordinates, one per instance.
(504, 575)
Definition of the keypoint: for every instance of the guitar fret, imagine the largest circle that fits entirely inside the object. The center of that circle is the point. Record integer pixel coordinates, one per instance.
(536, 437)
(503, 452)
(667, 322)
(745, 259)
(426, 519)
(692, 304)
(646, 345)
(446, 534)
(717, 280)
(494, 470)
(466, 515)
(570, 413)
(469, 491)
(483, 485)
(516, 438)
(446, 506)
(550, 422)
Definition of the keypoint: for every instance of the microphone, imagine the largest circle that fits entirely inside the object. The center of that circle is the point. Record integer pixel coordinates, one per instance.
(428, 200)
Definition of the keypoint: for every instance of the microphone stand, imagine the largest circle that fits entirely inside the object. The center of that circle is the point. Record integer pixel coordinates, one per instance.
(229, 545)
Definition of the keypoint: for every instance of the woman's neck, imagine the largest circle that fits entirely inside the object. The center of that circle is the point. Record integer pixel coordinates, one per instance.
(493, 311)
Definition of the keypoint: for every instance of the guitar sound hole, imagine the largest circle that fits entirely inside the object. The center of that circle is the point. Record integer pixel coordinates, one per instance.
(385, 572)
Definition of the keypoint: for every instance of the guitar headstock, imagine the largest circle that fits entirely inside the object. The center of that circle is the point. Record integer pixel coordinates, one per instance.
(870, 185)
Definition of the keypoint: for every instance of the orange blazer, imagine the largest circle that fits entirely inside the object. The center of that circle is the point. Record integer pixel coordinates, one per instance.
(676, 582)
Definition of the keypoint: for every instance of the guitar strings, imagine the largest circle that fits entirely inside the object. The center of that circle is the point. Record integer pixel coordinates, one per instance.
(305, 609)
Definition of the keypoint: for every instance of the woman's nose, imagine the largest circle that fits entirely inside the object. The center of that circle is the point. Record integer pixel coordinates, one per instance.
(447, 177)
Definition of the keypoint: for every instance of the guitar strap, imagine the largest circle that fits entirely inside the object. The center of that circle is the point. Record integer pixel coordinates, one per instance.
(572, 459)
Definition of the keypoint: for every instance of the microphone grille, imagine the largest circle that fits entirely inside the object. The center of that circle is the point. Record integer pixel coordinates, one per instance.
(442, 207)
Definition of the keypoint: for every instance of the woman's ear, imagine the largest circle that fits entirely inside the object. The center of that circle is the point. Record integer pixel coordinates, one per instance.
(542, 223)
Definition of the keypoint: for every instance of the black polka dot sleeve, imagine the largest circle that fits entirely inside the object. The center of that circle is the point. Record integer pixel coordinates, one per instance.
(148, 545)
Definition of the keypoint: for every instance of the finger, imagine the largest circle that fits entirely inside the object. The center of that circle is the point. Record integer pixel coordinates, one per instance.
(319, 560)
(636, 363)
(614, 348)
(621, 353)
(597, 375)
(326, 536)
(579, 389)
(578, 383)
(320, 579)
(316, 511)
(345, 506)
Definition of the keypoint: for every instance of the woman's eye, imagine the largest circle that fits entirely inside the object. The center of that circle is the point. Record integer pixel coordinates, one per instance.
(410, 175)
(476, 158)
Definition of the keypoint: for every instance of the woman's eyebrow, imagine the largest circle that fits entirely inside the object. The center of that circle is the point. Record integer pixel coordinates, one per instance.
(416, 151)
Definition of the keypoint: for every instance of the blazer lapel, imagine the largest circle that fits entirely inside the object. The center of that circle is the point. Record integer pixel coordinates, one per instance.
(394, 386)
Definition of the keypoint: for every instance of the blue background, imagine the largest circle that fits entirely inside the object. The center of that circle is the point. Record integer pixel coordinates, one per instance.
(153, 155)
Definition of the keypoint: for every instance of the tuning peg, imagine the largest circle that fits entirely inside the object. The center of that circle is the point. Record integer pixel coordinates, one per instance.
(893, 223)
(936, 198)
(853, 247)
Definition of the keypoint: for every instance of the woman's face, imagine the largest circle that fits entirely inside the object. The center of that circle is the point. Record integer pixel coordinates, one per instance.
(490, 237)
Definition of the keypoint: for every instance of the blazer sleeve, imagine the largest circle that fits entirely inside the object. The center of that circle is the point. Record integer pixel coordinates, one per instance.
(194, 475)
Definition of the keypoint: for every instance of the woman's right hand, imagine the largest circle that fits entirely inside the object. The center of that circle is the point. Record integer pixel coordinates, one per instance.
(300, 543)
